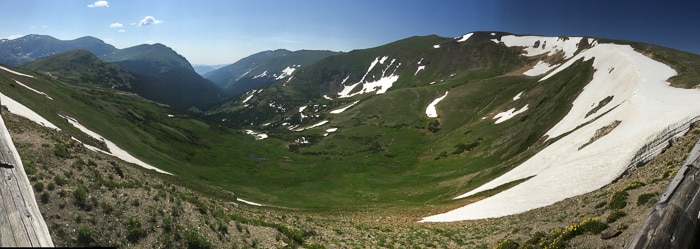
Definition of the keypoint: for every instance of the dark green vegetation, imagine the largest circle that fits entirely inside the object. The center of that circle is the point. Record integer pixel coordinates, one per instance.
(82, 67)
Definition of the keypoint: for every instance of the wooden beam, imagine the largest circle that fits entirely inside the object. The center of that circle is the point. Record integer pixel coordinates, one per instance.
(21, 223)
(674, 221)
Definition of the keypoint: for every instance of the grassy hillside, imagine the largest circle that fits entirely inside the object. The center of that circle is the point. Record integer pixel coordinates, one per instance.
(386, 159)
(386, 138)
(90, 199)
(82, 67)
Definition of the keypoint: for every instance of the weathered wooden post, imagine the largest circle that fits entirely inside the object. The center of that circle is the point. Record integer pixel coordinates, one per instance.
(21, 223)
(674, 221)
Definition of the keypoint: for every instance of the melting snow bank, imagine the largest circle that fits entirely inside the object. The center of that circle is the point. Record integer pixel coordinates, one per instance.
(313, 126)
(431, 111)
(34, 90)
(341, 110)
(540, 68)
(258, 136)
(651, 112)
(503, 116)
(380, 86)
(14, 72)
(115, 150)
(21, 110)
(250, 202)
(464, 37)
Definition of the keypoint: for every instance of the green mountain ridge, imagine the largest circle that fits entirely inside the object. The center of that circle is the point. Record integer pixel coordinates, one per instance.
(263, 68)
(81, 66)
(158, 72)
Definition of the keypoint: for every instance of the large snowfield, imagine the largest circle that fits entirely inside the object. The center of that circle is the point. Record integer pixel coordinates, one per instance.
(642, 100)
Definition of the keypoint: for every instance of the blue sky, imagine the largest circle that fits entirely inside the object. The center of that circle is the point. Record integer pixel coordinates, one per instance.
(223, 31)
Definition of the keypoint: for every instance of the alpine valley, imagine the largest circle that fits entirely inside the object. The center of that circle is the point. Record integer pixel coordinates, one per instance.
(489, 139)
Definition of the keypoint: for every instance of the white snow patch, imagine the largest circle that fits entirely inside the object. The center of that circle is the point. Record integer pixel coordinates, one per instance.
(381, 61)
(341, 110)
(313, 126)
(371, 66)
(114, 150)
(34, 90)
(301, 109)
(21, 110)
(326, 97)
(503, 116)
(380, 86)
(263, 74)
(517, 97)
(646, 105)
(431, 111)
(540, 68)
(257, 136)
(418, 70)
(249, 202)
(464, 37)
(436, 46)
(329, 131)
(248, 98)
(547, 45)
(288, 71)
(14, 72)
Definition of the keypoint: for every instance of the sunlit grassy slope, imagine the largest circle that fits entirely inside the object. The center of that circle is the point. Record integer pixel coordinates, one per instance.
(386, 152)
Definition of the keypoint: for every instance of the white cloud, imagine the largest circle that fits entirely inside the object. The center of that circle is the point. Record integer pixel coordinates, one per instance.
(12, 37)
(116, 25)
(148, 20)
(100, 3)
(121, 31)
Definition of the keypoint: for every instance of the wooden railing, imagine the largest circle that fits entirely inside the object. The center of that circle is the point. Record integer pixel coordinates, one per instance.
(674, 221)
(21, 223)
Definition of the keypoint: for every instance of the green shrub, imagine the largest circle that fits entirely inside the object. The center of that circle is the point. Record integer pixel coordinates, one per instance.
(593, 225)
(618, 200)
(80, 195)
(45, 197)
(615, 215)
(60, 181)
(51, 186)
(168, 223)
(39, 186)
(633, 185)
(643, 199)
(134, 230)
(506, 244)
(85, 236)
(61, 150)
(176, 210)
(195, 241)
